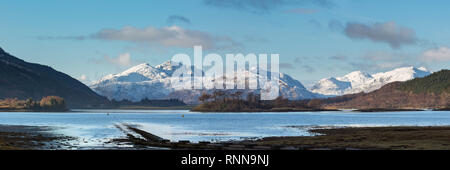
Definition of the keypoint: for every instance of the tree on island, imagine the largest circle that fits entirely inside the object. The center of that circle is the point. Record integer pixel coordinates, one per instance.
(204, 97)
(222, 101)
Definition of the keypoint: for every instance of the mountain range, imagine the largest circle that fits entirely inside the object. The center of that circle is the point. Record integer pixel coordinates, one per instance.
(140, 82)
(145, 81)
(432, 91)
(357, 81)
(22, 80)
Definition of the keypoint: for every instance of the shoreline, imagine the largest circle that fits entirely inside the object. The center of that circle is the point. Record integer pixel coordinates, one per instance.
(272, 110)
(442, 109)
(336, 138)
(21, 137)
(224, 111)
(386, 110)
(17, 137)
(28, 110)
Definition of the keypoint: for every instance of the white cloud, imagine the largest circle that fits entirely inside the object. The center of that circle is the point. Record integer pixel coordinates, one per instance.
(173, 36)
(83, 78)
(121, 60)
(436, 55)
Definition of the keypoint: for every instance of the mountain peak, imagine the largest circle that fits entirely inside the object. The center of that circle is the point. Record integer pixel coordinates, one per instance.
(404, 68)
(423, 69)
(358, 81)
(1, 50)
(404, 73)
(410, 68)
(168, 65)
(142, 65)
(356, 77)
(138, 68)
(357, 74)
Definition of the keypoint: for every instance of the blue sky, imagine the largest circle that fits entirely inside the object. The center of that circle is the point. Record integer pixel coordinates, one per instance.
(315, 38)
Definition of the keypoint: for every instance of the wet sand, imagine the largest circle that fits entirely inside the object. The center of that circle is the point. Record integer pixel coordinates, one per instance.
(325, 138)
(370, 138)
(13, 137)
(347, 138)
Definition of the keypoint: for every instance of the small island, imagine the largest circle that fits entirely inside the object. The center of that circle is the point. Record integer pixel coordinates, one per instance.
(46, 104)
(149, 104)
(221, 101)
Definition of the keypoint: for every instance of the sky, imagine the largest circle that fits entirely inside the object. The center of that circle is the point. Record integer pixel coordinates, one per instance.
(315, 38)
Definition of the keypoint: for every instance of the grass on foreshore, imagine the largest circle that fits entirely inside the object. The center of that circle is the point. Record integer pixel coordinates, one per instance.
(395, 138)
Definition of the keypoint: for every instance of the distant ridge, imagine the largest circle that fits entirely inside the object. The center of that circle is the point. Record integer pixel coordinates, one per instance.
(357, 81)
(432, 91)
(22, 80)
(145, 81)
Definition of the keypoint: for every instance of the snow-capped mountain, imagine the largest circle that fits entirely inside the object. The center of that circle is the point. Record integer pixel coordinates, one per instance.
(145, 81)
(357, 81)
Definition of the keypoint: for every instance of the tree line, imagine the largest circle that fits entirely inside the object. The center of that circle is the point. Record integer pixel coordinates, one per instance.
(148, 102)
(50, 103)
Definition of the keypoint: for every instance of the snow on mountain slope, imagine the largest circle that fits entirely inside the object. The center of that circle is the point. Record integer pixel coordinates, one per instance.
(356, 82)
(137, 83)
(145, 81)
(331, 86)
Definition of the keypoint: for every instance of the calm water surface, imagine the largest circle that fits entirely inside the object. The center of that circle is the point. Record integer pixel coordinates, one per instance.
(94, 127)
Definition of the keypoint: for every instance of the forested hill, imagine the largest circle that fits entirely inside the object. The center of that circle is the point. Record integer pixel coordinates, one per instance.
(438, 82)
(22, 80)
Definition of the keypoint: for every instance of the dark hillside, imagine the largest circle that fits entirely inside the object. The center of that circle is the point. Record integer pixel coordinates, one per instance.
(20, 79)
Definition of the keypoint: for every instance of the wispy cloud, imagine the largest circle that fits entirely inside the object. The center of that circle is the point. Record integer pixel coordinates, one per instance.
(122, 60)
(84, 79)
(389, 32)
(338, 57)
(308, 68)
(178, 19)
(436, 55)
(303, 63)
(264, 6)
(250, 38)
(62, 37)
(166, 36)
(302, 11)
(376, 61)
(315, 23)
(173, 36)
(335, 25)
(286, 66)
